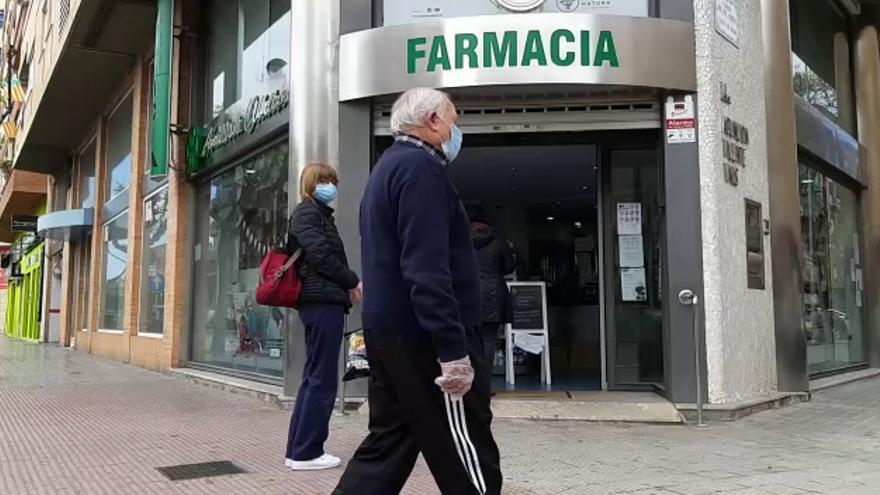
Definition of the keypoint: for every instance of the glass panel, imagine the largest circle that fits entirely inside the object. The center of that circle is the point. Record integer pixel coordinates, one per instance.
(636, 282)
(115, 261)
(153, 280)
(87, 176)
(119, 149)
(832, 273)
(248, 52)
(241, 214)
(821, 57)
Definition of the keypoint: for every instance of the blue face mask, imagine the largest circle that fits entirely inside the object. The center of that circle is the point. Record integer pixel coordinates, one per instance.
(452, 147)
(325, 193)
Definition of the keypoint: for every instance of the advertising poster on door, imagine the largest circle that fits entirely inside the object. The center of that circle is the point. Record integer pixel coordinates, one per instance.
(629, 219)
(408, 11)
(632, 285)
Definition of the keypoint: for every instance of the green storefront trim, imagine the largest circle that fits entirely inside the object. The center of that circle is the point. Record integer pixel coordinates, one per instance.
(24, 297)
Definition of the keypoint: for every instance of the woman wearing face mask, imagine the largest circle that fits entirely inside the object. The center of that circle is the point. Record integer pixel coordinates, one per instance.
(329, 287)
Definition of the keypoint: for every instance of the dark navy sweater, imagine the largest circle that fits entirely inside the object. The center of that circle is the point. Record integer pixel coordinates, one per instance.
(419, 268)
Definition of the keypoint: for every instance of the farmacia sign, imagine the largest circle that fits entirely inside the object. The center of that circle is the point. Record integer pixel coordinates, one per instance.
(560, 48)
(518, 50)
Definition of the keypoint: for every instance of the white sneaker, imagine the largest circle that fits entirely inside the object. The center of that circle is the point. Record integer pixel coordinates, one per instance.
(326, 461)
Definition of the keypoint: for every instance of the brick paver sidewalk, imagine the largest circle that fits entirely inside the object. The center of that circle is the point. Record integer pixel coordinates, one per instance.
(76, 424)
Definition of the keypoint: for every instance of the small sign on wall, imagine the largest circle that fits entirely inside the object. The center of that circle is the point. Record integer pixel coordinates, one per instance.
(727, 20)
(681, 121)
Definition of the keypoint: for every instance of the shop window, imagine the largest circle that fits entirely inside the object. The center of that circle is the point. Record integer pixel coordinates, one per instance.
(119, 148)
(754, 245)
(832, 272)
(248, 51)
(821, 58)
(87, 176)
(241, 214)
(153, 279)
(115, 234)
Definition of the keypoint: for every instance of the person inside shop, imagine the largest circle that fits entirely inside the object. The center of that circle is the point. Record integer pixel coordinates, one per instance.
(429, 385)
(496, 259)
(329, 287)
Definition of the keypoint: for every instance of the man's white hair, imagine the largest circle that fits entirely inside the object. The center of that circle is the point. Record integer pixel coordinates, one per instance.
(413, 108)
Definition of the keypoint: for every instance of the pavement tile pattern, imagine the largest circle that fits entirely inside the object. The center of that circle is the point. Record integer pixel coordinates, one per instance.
(77, 424)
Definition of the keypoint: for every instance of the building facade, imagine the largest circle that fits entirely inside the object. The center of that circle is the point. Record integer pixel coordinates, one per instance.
(627, 150)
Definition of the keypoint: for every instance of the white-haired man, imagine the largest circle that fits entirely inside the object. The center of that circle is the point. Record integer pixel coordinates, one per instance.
(429, 386)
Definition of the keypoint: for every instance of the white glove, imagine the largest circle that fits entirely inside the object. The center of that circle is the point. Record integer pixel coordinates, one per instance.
(457, 377)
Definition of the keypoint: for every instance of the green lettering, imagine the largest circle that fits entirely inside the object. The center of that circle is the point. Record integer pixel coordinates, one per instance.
(466, 45)
(494, 54)
(585, 48)
(606, 52)
(439, 55)
(556, 48)
(413, 53)
(534, 50)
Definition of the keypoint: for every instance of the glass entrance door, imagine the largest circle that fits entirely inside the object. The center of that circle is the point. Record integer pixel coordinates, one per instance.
(633, 231)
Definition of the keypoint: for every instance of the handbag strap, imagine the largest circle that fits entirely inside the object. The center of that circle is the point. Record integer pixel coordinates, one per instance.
(289, 263)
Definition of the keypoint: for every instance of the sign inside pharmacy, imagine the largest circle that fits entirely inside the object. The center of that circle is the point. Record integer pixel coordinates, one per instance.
(230, 127)
(560, 48)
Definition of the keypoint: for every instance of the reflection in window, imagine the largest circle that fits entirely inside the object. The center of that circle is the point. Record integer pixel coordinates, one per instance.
(832, 272)
(241, 214)
(821, 68)
(248, 51)
(153, 279)
(119, 148)
(87, 176)
(115, 261)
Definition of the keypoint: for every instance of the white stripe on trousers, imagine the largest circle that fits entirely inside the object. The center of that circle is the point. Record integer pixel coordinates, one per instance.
(462, 440)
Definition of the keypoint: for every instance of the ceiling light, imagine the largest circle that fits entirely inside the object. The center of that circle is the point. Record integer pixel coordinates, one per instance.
(550, 219)
(578, 225)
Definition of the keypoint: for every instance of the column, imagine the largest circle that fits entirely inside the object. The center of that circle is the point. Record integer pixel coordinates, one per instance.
(844, 83)
(785, 226)
(867, 85)
(314, 123)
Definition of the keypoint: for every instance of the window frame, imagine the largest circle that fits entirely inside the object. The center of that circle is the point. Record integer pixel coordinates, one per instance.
(104, 260)
(143, 304)
(109, 197)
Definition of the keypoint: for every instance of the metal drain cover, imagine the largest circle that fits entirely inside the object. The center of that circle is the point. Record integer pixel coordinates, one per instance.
(200, 470)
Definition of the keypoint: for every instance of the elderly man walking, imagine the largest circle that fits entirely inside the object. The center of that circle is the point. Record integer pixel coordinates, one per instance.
(429, 389)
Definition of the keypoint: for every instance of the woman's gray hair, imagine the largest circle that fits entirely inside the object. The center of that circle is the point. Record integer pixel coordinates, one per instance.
(413, 108)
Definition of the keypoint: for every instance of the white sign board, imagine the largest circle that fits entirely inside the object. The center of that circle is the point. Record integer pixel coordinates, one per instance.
(681, 121)
(631, 251)
(727, 20)
(408, 11)
(629, 219)
(632, 285)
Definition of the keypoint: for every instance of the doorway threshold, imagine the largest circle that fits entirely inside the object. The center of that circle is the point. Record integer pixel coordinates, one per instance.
(616, 407)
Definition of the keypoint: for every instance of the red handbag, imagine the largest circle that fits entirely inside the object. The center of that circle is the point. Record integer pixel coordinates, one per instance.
(280, 284)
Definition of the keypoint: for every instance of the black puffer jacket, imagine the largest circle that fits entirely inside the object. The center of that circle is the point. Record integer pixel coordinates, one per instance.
(496, 260)
(326, 277)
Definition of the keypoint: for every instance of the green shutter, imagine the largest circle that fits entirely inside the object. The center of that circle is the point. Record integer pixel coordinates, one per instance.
(162, 87)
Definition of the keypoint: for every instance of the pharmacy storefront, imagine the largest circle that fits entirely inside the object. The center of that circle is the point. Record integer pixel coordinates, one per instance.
(239, 163)
(568, 156)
